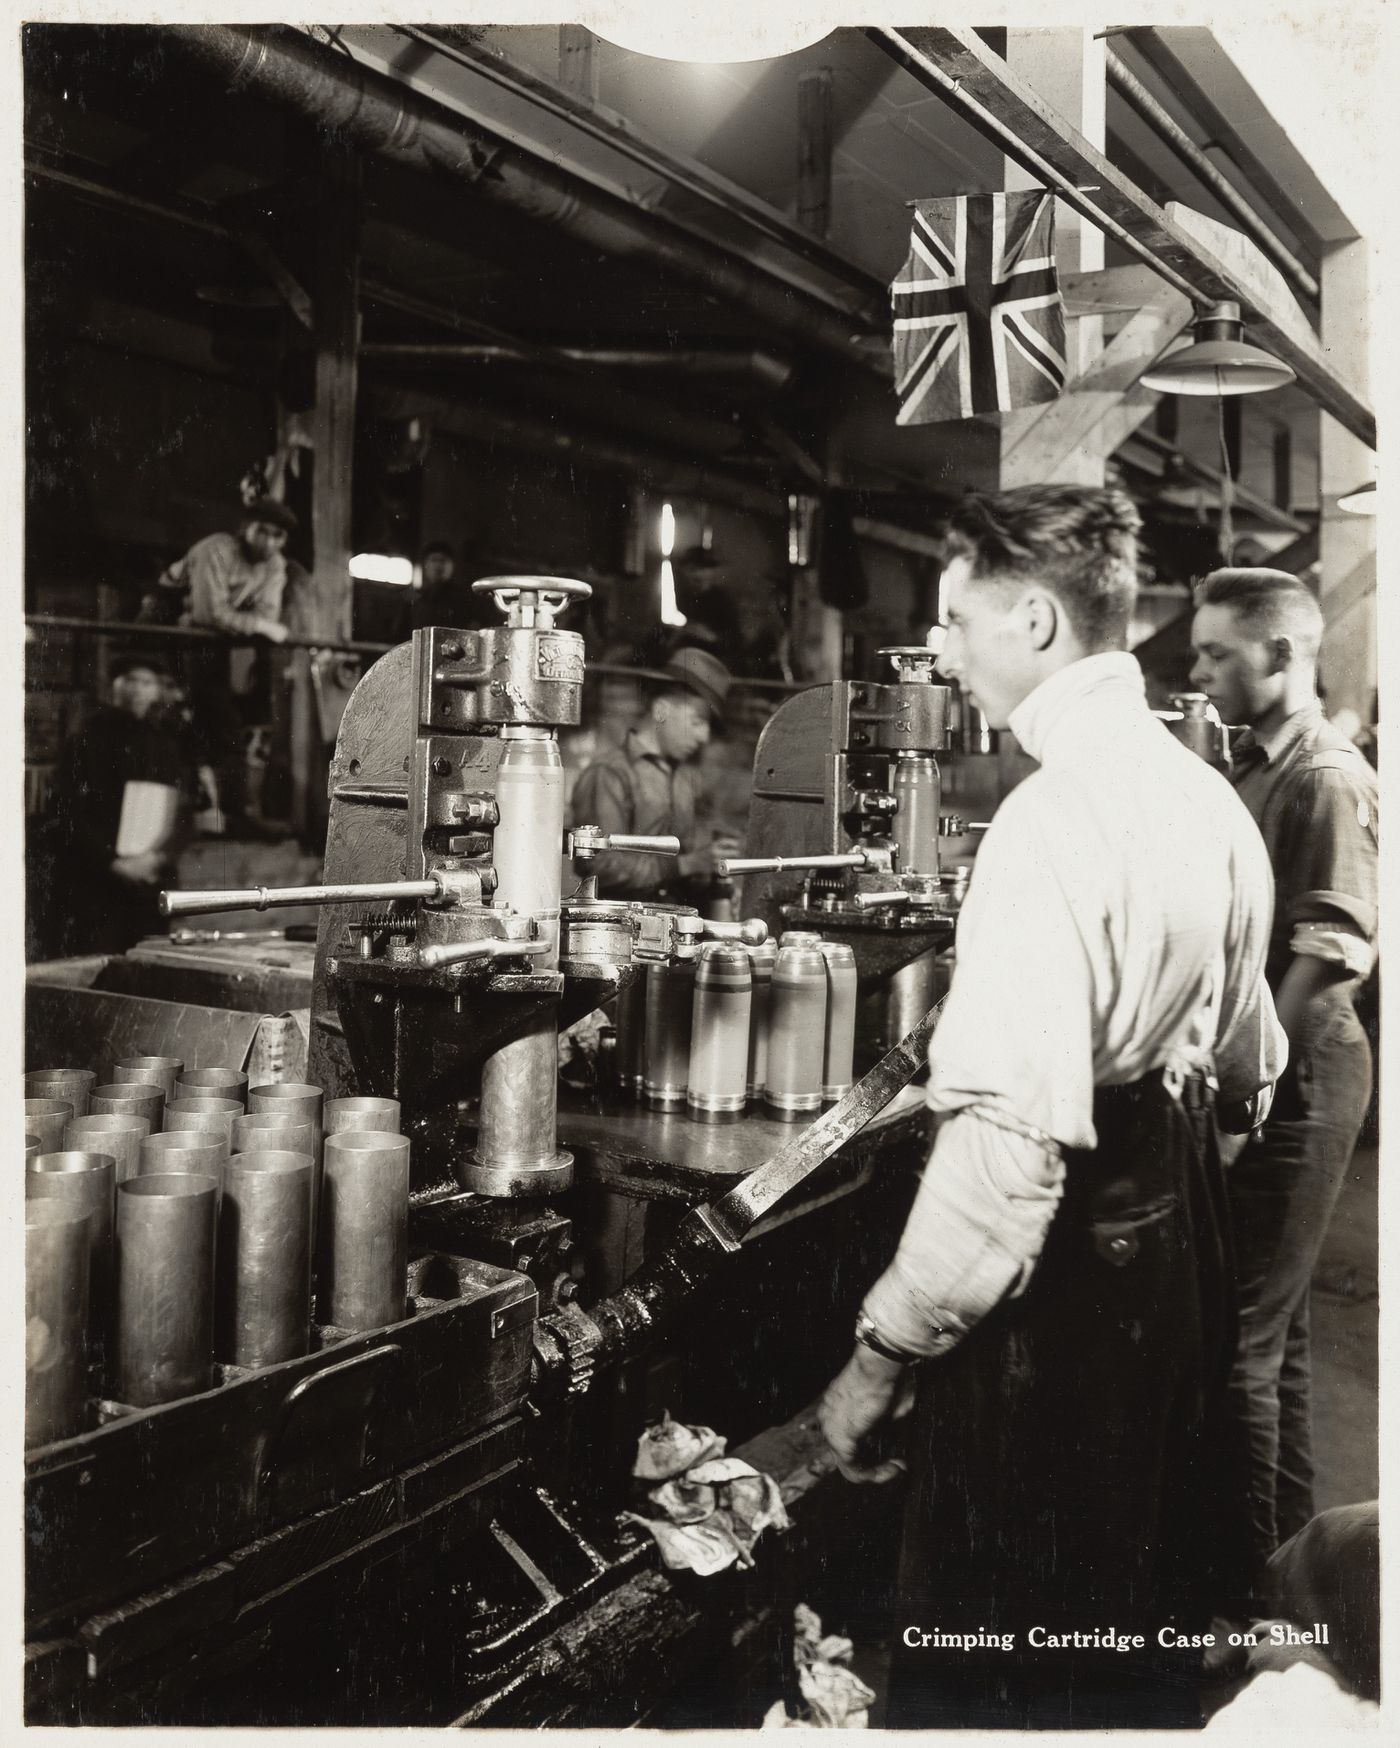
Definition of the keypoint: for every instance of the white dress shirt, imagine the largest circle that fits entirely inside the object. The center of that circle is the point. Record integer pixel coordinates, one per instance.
(1117, 922)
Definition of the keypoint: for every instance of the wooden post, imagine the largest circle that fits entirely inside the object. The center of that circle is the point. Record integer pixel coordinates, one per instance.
(814, 138)
(336, 295)
(578, 70)
(1065, 67)
(1348, 542)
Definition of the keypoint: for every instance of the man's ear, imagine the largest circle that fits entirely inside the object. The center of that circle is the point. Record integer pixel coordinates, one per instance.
(1281, 653)
(1041, 615)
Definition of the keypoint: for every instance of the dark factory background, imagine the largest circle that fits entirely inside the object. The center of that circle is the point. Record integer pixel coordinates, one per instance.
(550, 308)
(504, 356)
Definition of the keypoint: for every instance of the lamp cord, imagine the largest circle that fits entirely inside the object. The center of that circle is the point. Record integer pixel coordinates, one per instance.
(1227, 490)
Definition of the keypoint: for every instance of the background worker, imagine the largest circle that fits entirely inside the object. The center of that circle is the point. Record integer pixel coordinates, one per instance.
(651, 785)
(122, 800)
(1256, 635)
(1063, 1271)
(233, 583)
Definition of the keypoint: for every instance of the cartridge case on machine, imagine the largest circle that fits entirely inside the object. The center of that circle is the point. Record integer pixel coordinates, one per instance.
(838, 1054)
(517, 1150)
(363, 1268)
(263, 1266)
(670, 998)
(73, 1084)
(717, 1078)
(45, 1120)
(125, 1098)
(33, 1147)
(165, 1288)
(86, 1181)
(761, 961)
(57, 1236)
(527, 847)
(213, 1083)
(118, 1137)
(916, 787)
(796, 1033)
(631, 1035)
(161, 1071)
(379, 1116)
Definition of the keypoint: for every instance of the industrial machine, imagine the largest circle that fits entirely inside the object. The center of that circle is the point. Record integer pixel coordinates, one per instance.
(406, 1523)
(845, 822)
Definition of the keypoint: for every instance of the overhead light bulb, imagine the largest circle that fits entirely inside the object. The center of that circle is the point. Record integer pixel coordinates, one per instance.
(718, 32)
(1218, 360)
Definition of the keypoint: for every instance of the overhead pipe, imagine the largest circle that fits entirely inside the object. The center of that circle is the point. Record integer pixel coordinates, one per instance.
(763, 367)
(1136, 94)
(615, 131)
(342, 97)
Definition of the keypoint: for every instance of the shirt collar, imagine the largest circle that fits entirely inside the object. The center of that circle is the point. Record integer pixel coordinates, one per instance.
(1076, 701)
(642, 744)
(1285, 737)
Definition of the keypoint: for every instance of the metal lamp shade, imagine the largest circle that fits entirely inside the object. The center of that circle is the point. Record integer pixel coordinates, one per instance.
(1218, 360)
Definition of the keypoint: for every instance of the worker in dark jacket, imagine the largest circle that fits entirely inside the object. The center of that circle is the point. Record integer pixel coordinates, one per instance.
(651, 786)
(1256, 635)
(122, 797)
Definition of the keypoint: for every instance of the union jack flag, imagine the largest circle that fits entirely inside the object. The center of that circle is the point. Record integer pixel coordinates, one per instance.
(979, 324)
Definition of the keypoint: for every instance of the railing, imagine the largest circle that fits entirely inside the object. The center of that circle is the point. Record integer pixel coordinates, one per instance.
(137, 631)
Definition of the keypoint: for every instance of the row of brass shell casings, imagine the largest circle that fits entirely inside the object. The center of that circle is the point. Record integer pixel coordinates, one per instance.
(740, 1025)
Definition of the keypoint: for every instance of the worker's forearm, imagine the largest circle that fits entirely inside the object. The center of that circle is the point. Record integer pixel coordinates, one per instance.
(973, 1236)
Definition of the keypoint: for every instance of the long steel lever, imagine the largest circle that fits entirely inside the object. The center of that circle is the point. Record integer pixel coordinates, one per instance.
(270, 897)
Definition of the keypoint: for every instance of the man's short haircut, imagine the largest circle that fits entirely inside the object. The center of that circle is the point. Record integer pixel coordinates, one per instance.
(1080, 542)
(1267, 604)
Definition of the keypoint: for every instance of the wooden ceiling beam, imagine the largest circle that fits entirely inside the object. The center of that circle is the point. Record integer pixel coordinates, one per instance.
(959, 67)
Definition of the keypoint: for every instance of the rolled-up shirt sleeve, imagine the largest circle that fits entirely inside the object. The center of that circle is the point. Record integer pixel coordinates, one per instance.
(1333, 869)
(973, 1237)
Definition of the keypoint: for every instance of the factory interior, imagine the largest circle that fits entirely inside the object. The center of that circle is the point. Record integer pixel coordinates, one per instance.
(497, 826)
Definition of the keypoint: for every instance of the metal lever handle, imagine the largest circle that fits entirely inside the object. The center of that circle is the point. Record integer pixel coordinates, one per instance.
(588, 840)
(270, 897)
(876, 900)
(752, 933)
(459, 952)
(780, 864)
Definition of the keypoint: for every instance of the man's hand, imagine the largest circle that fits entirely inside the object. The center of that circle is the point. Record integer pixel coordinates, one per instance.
(274, 631)
(867, 1397)
(143, 870)
(697, 864)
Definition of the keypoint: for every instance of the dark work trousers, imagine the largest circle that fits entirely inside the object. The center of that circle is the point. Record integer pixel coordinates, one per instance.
(203, 671)
(1282, 1190)
(1073, 1466)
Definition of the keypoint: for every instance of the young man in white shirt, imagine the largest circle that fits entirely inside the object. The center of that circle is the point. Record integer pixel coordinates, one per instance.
(1065, 1266)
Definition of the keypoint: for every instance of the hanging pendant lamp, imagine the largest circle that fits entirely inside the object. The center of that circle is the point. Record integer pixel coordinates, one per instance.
(1218, 360)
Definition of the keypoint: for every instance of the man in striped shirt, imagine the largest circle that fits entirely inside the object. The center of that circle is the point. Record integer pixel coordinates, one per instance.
(1064, 1271)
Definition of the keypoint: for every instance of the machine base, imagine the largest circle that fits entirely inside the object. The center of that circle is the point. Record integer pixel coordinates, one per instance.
(517, 1180)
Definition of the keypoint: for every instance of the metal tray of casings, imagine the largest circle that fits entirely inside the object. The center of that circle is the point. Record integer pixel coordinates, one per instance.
(145, 1494)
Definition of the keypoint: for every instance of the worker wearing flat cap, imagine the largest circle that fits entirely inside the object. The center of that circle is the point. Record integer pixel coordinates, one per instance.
(651, 785)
